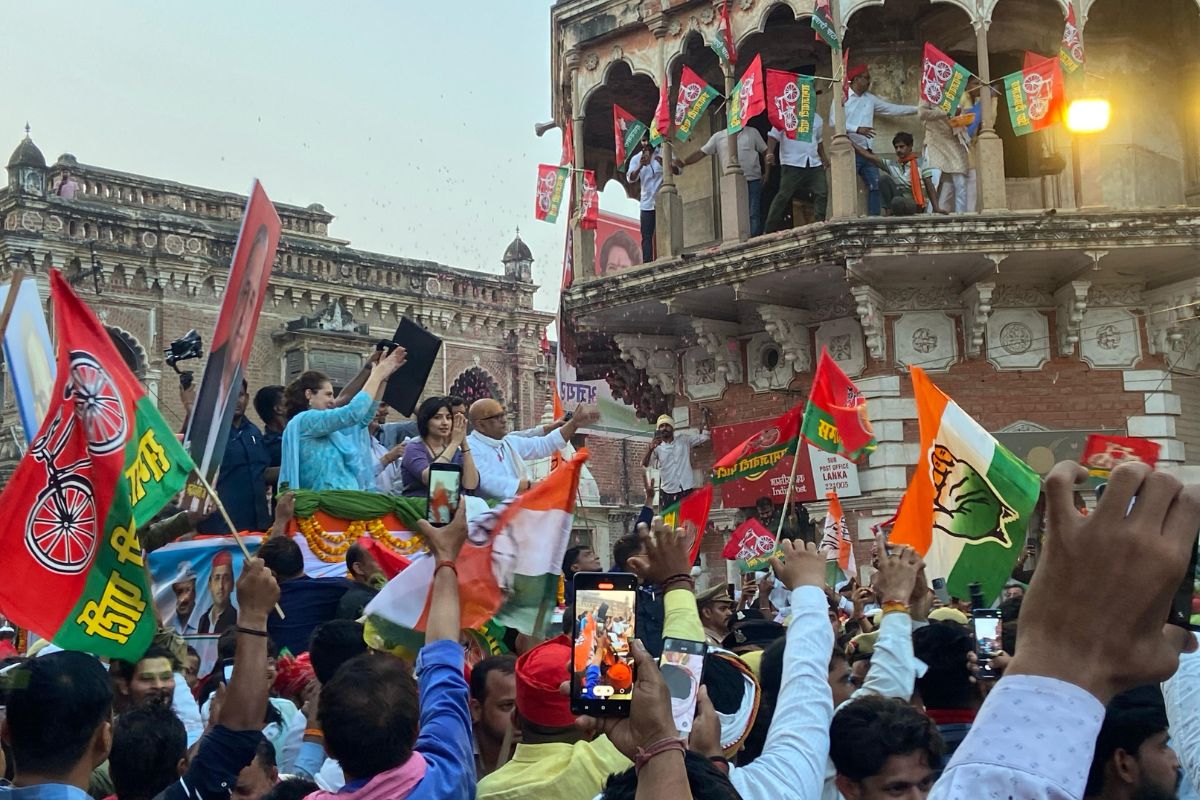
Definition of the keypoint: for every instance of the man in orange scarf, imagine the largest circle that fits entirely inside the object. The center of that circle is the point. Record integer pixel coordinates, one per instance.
(906, 183)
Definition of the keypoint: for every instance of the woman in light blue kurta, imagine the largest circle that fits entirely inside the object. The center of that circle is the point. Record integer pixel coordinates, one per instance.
(326, 447)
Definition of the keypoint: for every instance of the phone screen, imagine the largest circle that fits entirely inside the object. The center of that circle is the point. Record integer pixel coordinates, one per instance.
(603, 629)
(985, 624)
(444, 494)
(682, 664)
(1185, 608)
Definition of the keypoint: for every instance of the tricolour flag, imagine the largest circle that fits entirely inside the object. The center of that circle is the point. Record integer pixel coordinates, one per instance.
(838, 545)
(836, 417)
(660, 126)
(691, 514)
(1070, 51)
(791, 103)
(722, 41)
(822, 23)
(552, 183)
(749, 96)
(628, 131)
(695, 95)
(943, 80)
(761, 452)
(1035, 94)
(969, 499)
(102, 465)
(508, 569)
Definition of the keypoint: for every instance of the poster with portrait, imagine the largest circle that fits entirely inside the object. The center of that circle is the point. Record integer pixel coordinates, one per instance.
(194, 589)
(208, 429)
(618, 243)
(29, 354)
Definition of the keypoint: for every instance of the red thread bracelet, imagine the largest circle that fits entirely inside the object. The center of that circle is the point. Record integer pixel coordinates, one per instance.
(667, 745)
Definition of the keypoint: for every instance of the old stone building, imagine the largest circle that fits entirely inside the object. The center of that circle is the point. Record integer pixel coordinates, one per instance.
(1066, 304)
(151, 257)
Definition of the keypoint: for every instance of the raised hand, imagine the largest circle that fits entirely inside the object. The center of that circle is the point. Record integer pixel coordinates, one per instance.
(802, 565)
(897, 575)
(458, 429)
(1110, 647)
(649, 718)
(446, 542)
(667, 553)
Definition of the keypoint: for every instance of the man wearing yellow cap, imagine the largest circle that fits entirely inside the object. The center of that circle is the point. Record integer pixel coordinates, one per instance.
(672, 454)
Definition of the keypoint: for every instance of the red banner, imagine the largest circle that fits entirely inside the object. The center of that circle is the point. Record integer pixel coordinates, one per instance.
(782, 94)
(1104, 453)
(589, 203)
(1042, 82)
(751, 546)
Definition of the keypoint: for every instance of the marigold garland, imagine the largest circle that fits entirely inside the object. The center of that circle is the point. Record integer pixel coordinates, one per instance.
(332, 547)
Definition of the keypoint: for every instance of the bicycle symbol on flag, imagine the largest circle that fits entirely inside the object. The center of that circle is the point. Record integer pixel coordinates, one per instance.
(62, 526)
(936, 74)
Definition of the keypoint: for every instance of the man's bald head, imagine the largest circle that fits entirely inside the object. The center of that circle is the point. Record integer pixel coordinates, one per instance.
(489, 418)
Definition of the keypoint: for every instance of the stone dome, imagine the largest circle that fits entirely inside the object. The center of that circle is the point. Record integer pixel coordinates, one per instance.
(517, 251)
(27, 154)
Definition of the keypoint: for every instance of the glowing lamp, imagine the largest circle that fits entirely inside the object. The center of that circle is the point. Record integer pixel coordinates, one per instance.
(1088, 116)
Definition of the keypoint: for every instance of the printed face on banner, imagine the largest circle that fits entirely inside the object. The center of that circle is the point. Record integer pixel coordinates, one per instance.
(194, 587)
(29, 355)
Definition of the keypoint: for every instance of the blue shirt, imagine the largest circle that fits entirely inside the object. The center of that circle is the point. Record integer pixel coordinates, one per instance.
(330, 449)
(445, 727)
(273, 441)
(44, 791)
(306, 603)
(240, 484)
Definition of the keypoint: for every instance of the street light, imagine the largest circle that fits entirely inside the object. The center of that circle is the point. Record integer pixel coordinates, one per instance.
(1089, 115)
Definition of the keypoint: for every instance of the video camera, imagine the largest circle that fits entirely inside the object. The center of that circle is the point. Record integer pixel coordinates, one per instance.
(185, 347)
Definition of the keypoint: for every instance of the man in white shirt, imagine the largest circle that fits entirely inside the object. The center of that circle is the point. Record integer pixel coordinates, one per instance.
(500, 456)
(861, 108)
(672, 454)
(803, 172)
(749, 145)
(646, 168)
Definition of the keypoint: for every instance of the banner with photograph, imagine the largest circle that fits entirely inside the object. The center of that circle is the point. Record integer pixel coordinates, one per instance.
(29, 355)
(618, 243)
(208, 429)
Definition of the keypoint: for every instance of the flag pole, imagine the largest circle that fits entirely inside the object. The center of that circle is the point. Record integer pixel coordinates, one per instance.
(14, 285)
(787, 497)
(225, 516)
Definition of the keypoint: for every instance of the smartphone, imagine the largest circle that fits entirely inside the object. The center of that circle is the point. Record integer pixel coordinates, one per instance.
(445, 481)
(603, 627)
(224, 670)
(939, 589)
(682, 666)
(985, 627)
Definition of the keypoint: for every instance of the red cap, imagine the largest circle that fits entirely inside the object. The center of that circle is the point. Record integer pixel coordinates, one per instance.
(222, 558)
(855, 71)
(620, 676)
(292, 675)
(539, 674)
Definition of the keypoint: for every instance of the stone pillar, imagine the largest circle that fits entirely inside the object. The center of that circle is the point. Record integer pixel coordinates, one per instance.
(735, 195)
(1085, 147)
(583, 242)
(669, 205)
(989, 150)
(1161, 406)
(843, 180)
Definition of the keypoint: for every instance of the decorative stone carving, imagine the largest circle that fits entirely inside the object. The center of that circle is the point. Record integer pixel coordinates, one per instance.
(192, 245)
(1169, 309)
(1109, 294)
(844, 340)
(591, 62)
(925, 339)
(978, 301)
(719, 339)
(870, 313)
(1008, 295)
(919, 298)
(653, 354)
(700, 377)
(31, 221)
(1109, 338)
(767, 367)
(1071, 301)
(1018, 338)
(149, 240)
(173, 244)
(788, 327)
(54, 223)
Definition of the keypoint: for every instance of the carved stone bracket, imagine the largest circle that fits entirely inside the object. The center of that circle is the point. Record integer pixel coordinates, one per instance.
(655, 355)
(719, 339)
(788, 328)
(1168, 310)
(978, 301)
(1071, 300)
(870, 312)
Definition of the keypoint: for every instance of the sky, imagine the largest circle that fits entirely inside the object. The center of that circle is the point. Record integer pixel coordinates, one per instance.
(412, 123)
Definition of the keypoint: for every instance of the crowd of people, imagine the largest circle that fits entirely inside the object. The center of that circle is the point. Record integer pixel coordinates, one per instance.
(941, 179)
(807, 691)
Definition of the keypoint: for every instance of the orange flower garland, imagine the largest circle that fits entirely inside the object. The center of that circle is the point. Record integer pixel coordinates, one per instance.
(332, 547)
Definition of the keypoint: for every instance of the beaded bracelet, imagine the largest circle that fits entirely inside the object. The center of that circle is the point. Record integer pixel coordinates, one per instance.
(893, 606)
(667, 745)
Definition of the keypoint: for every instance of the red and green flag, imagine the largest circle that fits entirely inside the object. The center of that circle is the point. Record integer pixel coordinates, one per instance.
(1035, 94)
(791, 103)
(628, 131)
(695, 95)
(691, 514)
(762, 451)
(749, 96)
(103, 464)
(968, 504)
(943, 80)
(751, 546)
(822, 23)
(722, 41)
(1070, 51)
(660, 126)
(552, 183)
(589, 207)
(835, 419)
